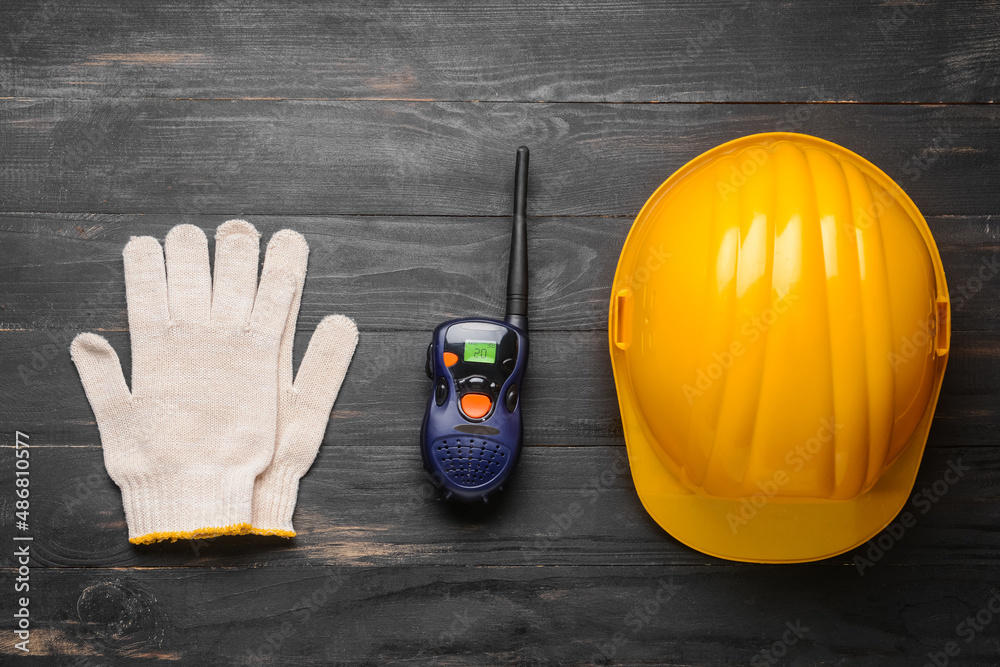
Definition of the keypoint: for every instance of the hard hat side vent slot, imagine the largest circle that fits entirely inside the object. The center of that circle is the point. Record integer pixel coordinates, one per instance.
(943, 330)
(621, 321)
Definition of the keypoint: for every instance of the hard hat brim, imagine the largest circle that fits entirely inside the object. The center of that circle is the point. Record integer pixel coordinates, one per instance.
(762, 528)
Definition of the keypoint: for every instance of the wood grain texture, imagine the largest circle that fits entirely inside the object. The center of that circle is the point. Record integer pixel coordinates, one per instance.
(423, 158)
(385, 131)
(363, 504)
(617, 50)
(457, 615)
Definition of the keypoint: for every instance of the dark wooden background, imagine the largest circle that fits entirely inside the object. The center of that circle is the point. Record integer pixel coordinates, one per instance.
(385, 132)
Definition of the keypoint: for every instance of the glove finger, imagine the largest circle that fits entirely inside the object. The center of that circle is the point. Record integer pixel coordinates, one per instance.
(145, 283)
(274, 299)
(325, 365)
(237, 249)
(189, 284)
(101, 373)
(287, 251)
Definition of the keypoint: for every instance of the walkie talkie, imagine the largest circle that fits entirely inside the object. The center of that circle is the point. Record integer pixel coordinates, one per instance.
(471, 439)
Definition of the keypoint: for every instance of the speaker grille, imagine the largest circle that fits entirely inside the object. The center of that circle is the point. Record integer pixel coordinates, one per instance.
(471, 462)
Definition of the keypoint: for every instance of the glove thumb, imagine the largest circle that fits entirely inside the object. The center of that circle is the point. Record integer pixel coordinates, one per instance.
(101, 373)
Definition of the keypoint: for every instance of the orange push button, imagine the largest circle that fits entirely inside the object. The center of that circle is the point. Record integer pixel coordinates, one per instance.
(450, 359)
(476, 405)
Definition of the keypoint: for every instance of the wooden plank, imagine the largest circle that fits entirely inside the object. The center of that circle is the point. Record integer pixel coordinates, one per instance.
(569, 392)
(64, 271)
(460, 615)
(420, 158)
(41, 389)
(388, 273)
(613, 50)
(367, 504)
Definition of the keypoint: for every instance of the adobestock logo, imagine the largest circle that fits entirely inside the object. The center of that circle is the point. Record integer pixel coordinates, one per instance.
(988, 269)
(641, 615)
(563, 522)
(754, 158)
(694, 47)
(776, 651)
(796, 459)
(913, 344)
(751, 332)
(923, 501)
(866, 216)
(900, 15)
(655, 259)
(968, 630)
(739, 173)
(920, 163)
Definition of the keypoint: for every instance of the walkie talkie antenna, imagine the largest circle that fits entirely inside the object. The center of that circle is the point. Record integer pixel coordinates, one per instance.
(517, 273)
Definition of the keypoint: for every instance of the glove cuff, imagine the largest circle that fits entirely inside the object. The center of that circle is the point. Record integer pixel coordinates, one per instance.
(274, 498)
(188, 506)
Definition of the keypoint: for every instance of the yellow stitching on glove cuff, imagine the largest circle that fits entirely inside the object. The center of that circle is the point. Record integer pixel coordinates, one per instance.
(199, 534)
(270, 531)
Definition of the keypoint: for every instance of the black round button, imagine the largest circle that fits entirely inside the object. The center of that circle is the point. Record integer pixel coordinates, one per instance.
(508, 364)
(441, 391)
(510, 400)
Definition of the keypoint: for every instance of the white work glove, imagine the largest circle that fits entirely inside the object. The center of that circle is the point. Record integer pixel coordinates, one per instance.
(187, 443)
(303, 408)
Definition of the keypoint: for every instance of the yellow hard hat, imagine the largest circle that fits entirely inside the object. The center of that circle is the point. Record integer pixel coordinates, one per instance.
(779, 329)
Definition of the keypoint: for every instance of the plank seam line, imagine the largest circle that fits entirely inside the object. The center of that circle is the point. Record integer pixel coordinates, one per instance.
(459, 216)
(404, 100)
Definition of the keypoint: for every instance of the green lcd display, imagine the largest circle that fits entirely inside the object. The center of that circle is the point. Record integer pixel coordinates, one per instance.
(480, 352)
